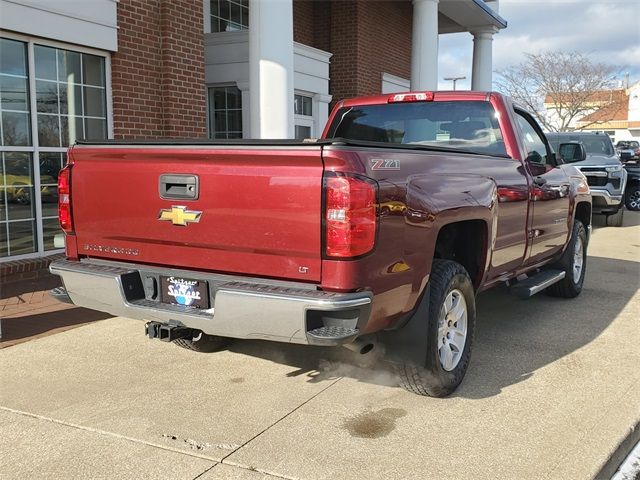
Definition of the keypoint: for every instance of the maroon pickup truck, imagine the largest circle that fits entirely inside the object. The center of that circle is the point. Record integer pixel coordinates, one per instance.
(383, 231)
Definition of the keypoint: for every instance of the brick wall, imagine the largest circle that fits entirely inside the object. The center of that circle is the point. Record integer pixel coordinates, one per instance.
(158, 70)
(303, 16)
(384, 43)
(365, 37)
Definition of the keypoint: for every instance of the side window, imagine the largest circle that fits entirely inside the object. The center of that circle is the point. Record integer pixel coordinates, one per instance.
(533, 143)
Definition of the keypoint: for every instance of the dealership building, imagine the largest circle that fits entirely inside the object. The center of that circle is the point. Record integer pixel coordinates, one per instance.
(72, 69)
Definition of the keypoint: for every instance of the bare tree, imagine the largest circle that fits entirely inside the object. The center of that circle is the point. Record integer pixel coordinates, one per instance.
(569, 83)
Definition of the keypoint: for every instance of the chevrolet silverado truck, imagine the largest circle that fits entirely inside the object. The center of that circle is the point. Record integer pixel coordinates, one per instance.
(382, 232)
(598, 161)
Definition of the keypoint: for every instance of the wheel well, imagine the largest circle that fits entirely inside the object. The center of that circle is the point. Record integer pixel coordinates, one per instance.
(583, 213)
(465, 243)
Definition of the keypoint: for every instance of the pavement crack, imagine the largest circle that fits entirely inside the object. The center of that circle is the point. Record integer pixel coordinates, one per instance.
(276, 422)
(206, 471)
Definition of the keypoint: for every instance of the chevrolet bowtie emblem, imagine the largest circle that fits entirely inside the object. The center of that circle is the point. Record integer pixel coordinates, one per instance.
(179, 215)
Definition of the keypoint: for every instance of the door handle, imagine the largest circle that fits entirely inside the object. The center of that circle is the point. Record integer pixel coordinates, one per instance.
(539, 181)
(179, 187)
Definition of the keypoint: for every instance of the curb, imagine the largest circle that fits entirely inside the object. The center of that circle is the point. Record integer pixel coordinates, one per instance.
(621, 452)
(30, 269)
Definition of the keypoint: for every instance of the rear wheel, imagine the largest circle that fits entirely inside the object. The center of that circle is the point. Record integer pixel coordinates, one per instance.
(203, 343)
(632, 198)
(615, 219)
(451, 321)
(574, 263)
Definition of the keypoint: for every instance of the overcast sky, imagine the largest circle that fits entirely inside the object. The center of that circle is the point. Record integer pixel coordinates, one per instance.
(606, 31)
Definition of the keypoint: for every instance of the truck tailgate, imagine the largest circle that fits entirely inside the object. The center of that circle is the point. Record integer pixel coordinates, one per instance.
(260, 208)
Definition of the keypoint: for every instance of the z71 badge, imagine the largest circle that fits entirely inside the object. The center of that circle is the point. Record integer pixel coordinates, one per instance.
(385, 164)
(179, 215)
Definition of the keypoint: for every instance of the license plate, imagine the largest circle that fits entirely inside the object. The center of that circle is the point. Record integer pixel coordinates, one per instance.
(184, 291)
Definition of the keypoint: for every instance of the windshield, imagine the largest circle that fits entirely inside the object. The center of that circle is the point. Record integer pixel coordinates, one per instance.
(593, 144)
(468, 126)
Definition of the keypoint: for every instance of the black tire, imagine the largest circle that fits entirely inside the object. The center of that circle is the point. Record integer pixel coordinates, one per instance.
(615, 219)
(632, 198)
(203, 343)
(568, 287)
(431, 379)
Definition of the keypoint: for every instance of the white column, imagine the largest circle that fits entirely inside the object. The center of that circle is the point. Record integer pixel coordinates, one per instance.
(321, 108)
(424, 45)
(482, 74)
(246, 108)
(271, 68)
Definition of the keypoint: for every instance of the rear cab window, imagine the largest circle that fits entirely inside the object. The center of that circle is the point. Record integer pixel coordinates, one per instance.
(463, 125)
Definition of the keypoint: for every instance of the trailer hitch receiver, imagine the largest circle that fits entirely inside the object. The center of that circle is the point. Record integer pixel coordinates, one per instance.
(166, 332)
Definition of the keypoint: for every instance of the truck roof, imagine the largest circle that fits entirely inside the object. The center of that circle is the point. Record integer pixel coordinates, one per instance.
(438, 96)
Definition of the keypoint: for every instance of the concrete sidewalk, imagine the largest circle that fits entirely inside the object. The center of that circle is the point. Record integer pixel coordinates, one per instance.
(553, 388)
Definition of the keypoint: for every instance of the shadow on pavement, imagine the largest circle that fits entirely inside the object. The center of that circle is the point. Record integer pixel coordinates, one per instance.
(514, 337)
(16, 289)
(36, 318)
(18, 329)
(631, 219)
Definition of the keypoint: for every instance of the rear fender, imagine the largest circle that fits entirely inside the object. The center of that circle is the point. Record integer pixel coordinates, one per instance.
(464, 198)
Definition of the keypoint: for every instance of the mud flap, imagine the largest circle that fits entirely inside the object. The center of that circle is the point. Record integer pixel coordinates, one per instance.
(408, 343)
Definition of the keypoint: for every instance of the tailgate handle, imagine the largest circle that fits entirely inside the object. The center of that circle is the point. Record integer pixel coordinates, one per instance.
(179, 187)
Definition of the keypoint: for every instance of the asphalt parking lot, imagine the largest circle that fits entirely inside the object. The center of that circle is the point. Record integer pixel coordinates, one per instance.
(552, 390)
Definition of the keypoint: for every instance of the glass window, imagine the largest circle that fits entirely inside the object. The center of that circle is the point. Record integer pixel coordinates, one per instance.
(302, 132)
(302, 105)
(463, 125)
(225, 112)
(535, 147)
(50, 165)
(15, 119)
(229, 15)
(17, 209)
(70, 96)
(70, 103)
(13, 57)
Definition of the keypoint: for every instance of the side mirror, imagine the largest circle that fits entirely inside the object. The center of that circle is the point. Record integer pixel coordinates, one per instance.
(572, 152)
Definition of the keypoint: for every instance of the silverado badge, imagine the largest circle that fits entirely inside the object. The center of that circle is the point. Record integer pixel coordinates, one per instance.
(179, 215)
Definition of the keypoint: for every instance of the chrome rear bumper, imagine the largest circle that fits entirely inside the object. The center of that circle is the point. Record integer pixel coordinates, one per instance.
(241, 307)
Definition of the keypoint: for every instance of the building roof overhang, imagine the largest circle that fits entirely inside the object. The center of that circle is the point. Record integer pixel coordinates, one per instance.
(467, 16)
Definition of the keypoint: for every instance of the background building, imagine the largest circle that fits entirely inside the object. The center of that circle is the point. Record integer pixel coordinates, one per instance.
(620, 119)
(615, 112)
(74, 69)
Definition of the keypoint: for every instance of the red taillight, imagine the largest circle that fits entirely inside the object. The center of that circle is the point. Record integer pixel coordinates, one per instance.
(350, 216)
(411, 97)
(64, 199)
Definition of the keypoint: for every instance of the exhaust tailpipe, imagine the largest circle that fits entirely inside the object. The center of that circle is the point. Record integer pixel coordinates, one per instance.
(360, 346)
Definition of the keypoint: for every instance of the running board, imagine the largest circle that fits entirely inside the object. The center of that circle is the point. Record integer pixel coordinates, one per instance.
(537, 283)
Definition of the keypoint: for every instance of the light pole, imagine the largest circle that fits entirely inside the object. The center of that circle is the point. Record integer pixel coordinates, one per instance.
(454, 80)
